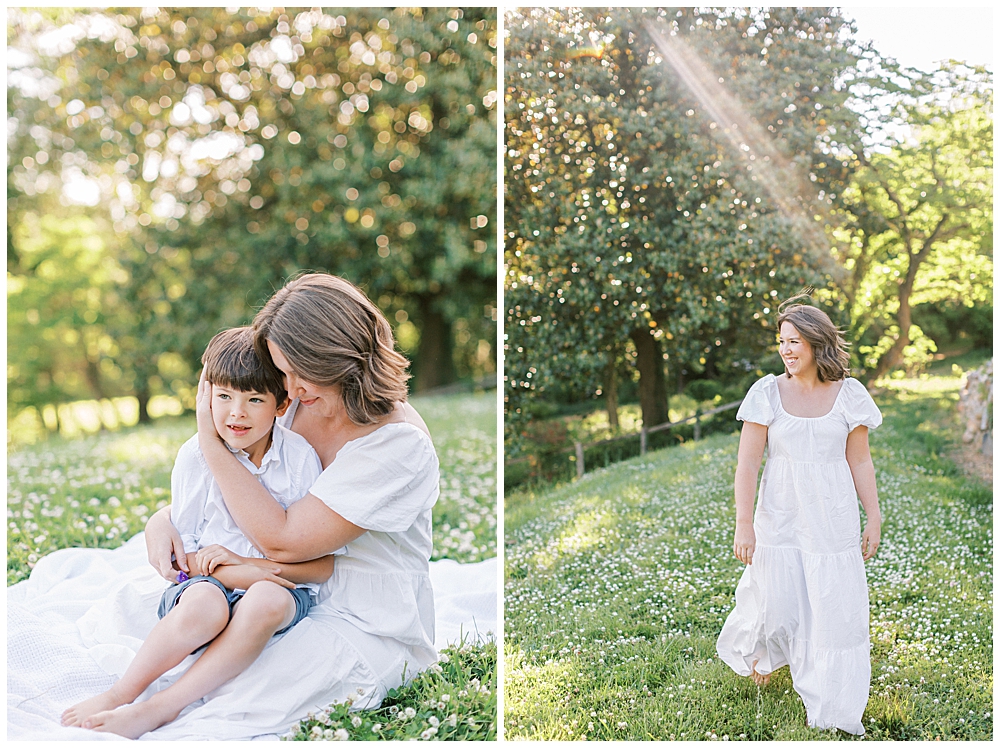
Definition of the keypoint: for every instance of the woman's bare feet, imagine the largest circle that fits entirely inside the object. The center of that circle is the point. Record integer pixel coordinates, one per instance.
(133, 720)
(760, 680)
(76, 714)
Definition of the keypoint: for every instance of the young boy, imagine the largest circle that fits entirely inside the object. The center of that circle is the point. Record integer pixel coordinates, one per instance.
(225, 566)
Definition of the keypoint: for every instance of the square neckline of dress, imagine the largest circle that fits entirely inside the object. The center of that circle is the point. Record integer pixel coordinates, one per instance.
(833, 407)
(289, 417)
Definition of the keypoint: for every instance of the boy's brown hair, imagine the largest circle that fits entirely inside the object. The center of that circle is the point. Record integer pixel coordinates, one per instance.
(231, 361)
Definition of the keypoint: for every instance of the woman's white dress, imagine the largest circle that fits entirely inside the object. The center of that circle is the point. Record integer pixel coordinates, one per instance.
(75, 625)
(803, 602)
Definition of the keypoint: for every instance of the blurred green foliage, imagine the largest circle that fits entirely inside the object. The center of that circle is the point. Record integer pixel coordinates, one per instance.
(169, 168)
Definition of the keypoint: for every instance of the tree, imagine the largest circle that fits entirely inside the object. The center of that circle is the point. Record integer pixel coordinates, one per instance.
(233, 150)
(60, 287)
(922, 218)
(654, 208)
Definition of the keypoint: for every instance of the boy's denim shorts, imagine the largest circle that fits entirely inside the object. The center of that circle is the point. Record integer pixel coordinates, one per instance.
(303, 600)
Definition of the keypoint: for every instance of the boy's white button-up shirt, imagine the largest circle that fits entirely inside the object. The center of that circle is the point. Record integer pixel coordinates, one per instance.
(288, 470)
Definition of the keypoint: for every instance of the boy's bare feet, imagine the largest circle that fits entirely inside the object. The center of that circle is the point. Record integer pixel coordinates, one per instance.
(760, 680)
(76, 714)
(133, 720)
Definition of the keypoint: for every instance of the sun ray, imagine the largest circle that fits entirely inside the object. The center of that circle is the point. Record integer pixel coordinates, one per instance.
(781, 179)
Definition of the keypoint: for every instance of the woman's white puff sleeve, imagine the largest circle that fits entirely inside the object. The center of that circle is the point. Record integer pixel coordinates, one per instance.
(859, 408)
(756, 406)
(380, 485)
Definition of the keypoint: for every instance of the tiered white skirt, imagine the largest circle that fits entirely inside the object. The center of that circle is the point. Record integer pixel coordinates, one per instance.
(810, 612)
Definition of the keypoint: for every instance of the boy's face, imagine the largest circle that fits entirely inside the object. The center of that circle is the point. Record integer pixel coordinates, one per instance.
(244, 419)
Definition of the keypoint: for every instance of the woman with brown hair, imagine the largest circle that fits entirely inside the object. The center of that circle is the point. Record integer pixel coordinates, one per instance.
(374, 621)
(803, 598)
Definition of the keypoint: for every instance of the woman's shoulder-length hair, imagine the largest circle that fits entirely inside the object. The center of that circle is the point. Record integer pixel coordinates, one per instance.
(829, 347)
(333, 335)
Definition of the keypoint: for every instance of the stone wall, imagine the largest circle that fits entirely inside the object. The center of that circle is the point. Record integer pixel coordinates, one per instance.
(976, 406)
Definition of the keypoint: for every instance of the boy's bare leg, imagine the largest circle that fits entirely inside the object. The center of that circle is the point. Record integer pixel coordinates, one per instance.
(266, 608)
(199, 616)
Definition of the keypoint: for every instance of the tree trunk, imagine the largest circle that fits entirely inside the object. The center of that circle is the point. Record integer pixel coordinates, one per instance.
(611, 389)
(891, 357)
(434, 365)
(93, 376)
(652, 383)
(142, 395)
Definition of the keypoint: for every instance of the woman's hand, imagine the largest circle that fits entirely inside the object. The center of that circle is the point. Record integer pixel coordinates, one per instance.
(164, 547)
(211, 557)
(203, 411)
(241, 576)
(871, 537)
(745, 541)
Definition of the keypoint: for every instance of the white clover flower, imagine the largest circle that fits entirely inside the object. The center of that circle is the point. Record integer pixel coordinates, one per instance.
(341, 734)
(425, 735)
(452, 720)
(444, 658)
(317, 731)
(377, 727)
(328, 734)
(356, 721)
(434, 721)
(393, 709)
(410, 712)
(446, 697)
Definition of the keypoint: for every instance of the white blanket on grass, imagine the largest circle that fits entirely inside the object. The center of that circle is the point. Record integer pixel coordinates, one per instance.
(76, 623)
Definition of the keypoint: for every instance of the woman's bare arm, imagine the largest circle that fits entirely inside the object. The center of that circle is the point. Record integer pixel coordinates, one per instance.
(304, 572)
(753, 439)
(859, 457)
(316, 571)
(307, 530)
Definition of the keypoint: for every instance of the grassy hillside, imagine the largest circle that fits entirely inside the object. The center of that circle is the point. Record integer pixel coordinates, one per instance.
(98, 491)
(618, 584)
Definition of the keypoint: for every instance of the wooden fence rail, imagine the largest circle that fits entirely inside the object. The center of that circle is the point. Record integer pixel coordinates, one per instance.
(643, 434)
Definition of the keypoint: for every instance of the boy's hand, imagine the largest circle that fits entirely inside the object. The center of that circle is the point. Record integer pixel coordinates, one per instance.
(211, 557)
(241, 576)
(164, 547)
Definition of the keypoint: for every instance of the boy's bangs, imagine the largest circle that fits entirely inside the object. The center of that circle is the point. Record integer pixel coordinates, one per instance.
(230, 361)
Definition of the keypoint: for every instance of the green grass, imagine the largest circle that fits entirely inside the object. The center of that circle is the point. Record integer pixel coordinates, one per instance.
(618, 585)
(97, 491)
(452, 700)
